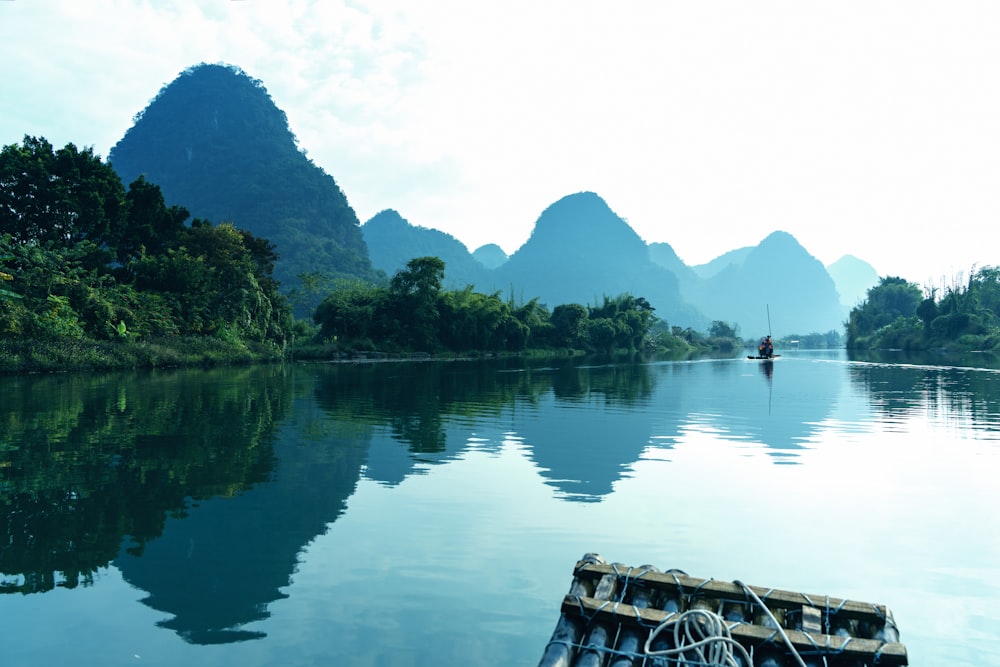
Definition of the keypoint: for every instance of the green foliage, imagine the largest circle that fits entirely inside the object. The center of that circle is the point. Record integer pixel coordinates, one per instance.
(151, 225)
(629, 318)
(7, 294)
(85, 474)
(216, 143)
(471, 321)
(414, 313)
(413, 302)
(719, 329)
(89, 257)
(569, 324)
(892, 298)
(353, 310)
(897, 316)
(58, 196)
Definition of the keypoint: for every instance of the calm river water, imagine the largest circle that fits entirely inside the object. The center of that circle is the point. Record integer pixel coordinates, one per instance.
(420, 514)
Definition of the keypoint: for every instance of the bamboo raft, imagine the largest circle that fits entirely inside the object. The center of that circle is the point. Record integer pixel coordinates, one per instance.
(622, 616)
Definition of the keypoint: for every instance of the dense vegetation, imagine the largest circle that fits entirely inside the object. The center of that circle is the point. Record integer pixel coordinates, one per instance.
(899, 315)
(215, 142)
(91, 262)
(414, 312)
(97, 275)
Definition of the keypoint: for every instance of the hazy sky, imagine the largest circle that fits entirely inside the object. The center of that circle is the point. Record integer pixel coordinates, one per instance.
(868, 128)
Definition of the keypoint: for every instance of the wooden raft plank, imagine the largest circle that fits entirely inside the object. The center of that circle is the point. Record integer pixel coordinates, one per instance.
(745, 633)
(774, 598)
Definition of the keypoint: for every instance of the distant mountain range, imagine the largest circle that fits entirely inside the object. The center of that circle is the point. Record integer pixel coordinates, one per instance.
(215, 143)
(580, 251)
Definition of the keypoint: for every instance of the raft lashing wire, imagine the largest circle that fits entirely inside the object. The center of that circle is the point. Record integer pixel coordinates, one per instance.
(621, 616)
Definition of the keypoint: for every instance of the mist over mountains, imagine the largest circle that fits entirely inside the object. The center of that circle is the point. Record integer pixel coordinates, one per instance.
(216, 144)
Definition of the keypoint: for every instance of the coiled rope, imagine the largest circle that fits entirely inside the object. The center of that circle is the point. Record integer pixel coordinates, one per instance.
(701, 637)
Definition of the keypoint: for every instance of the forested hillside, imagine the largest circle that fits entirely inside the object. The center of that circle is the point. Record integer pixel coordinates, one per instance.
(99, 275)
(84, 258)
(214, 142)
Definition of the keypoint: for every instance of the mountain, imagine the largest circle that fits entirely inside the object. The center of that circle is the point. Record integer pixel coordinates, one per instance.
(710, 269)
(664, 255)
(216, 144)
(777, 276)
(392, 242)
(853, 278)
(490, 255)
(581, 251)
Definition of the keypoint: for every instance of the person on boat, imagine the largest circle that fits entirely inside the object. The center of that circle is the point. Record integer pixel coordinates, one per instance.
(766, 348)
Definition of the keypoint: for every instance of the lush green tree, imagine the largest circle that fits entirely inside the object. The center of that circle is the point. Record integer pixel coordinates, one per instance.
(630, 317)
(352, 311)
(720, 329)
(473, 321)
(892, 298)
(927, 311)
(413, 294)
(602, 334)
(151, 225)
(217, 284)
(569, 324)
(7, 294)
(536, 321)
(62, 196)
(984, 295)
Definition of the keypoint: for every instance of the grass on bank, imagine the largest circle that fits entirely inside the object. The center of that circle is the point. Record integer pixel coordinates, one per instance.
(46, 356)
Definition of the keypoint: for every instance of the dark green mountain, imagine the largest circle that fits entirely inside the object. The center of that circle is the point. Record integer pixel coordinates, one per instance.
(392, 242)
(216, 144)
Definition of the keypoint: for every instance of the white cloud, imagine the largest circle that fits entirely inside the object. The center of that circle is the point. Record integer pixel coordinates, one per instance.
(863, 128)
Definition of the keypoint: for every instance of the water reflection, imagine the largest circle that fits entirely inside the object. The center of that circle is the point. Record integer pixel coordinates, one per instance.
(951, 394)
(94, 462)
(204, 487)
(87, 460)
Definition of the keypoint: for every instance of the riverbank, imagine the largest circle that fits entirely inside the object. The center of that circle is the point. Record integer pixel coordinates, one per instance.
(41, 356)
(84, 354)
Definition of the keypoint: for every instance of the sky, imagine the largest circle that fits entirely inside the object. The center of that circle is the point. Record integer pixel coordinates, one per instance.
(869, 128)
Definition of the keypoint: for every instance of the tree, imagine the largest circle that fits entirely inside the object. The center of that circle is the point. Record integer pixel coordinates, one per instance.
(352, 311)
(218, 284)
(720, 329)
(891, 299)
(7, 294)
(630, 317)
(569, 325)
(150, 223)
(62, 196)
(413, 293)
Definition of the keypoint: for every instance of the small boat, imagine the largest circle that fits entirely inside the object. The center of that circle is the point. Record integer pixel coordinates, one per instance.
(618, 615)
(759, 358)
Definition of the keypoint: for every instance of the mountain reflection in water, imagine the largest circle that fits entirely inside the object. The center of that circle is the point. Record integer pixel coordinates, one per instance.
(205, 488)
